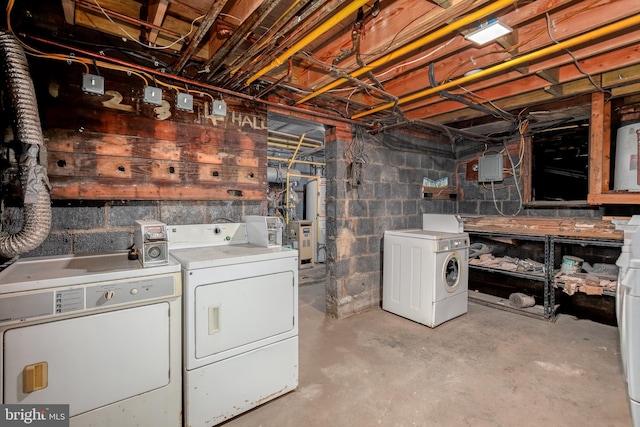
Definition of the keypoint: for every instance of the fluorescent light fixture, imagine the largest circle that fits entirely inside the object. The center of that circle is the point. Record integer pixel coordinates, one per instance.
(488, 32)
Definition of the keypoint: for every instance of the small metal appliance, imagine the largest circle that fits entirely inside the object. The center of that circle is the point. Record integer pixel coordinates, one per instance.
(265, 231)
(150, 241)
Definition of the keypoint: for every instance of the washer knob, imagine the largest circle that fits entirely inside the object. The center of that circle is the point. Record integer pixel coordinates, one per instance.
(109, 294)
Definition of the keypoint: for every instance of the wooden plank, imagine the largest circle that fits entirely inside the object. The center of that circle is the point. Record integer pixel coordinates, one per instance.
(82, 166)
(537, 226)
(96, 152)
(216, 151)
(157, 12)
(596, 144)
(92, 191)
(613, 197)
(69, 9)
(526, 171)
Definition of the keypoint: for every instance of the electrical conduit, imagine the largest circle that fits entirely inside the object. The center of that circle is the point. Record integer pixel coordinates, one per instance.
(421, 42)
(541, 53)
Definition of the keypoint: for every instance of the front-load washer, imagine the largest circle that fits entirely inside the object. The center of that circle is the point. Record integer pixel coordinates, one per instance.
(97, 332)
(240, 321)
(425, 275)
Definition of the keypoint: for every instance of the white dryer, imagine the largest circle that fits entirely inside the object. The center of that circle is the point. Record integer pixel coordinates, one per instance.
(425, 275)
(99, 333)
(240, 321)
(630, 336)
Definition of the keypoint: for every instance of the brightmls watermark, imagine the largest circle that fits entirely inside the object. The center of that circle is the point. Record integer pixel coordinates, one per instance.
(34, 415)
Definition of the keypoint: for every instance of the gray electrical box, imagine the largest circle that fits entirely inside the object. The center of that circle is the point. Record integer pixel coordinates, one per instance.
(92, 83)
(184, 102)
(152, 95)
(491, 168)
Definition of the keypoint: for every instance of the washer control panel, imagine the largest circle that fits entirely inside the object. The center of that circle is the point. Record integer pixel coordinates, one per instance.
(453, 244)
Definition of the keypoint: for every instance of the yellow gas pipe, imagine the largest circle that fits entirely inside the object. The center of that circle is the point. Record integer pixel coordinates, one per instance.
(431, 37)
(608, 29)
(326, 26)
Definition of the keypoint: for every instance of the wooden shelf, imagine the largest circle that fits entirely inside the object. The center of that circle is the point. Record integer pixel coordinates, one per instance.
(438, 193)
(584, 228)
(537, 311)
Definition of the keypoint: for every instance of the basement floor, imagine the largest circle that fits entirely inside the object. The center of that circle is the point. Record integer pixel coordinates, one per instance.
(486, 368)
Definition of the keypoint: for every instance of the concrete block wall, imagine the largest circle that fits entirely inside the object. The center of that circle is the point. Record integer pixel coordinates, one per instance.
(94, 227)
(388, 198)
(475, 198)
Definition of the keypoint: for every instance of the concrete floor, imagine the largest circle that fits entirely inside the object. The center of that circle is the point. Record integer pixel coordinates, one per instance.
(485, 368)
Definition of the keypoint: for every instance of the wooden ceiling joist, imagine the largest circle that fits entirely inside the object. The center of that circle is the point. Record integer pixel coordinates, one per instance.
(157, 11)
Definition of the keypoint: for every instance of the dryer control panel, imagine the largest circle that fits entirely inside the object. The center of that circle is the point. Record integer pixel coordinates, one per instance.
(20, 306)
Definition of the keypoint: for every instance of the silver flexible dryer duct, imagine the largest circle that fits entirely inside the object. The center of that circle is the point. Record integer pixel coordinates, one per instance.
(35, 183)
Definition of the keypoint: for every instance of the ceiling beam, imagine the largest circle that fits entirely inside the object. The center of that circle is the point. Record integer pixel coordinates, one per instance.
(275, 34)
(417, 44)
(445, 4)
(565, 71)
(203, 29)
(69, 9)
(157, 11)
(451, 61)
(245, 29)
(550, 50)
(391, 29)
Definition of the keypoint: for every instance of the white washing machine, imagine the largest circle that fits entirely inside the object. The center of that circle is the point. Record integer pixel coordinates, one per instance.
(426, 274)
(97, 332)
(240, 321)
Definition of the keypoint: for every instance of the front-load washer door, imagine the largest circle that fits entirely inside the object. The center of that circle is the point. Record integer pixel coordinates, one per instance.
(452, 274)
(243, 312)
(92, 361)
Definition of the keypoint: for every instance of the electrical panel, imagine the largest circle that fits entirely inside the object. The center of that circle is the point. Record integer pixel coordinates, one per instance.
(491, 168)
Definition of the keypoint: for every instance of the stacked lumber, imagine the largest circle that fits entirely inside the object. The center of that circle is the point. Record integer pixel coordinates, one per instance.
(590, 284)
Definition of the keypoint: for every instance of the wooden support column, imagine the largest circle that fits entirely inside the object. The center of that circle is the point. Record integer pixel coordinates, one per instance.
(597, 147)
(600, 157)
(527, 167)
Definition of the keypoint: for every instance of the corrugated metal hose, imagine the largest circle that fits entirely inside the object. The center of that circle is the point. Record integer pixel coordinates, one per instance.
(33, 171)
